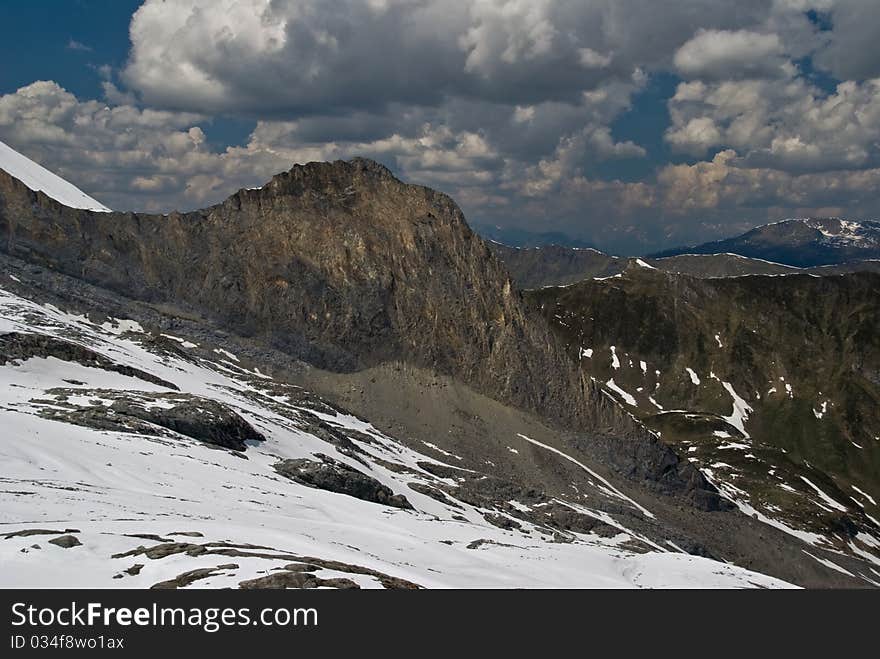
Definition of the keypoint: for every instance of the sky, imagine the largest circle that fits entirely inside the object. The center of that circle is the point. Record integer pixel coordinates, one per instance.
(630, 125)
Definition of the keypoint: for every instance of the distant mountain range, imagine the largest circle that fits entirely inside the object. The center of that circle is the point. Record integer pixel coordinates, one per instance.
(802, 243)
(523, 238)
(822, 246)
(536, 267)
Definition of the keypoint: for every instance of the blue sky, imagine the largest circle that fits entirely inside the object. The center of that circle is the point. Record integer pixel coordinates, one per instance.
(627, 124)
(37, 36)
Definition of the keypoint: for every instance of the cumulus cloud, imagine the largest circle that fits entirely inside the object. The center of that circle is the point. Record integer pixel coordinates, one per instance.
(116, 152)
(788, 124)
(511, 106)
(732, 54)
(293, 57)
(158, 160)
(723, 183)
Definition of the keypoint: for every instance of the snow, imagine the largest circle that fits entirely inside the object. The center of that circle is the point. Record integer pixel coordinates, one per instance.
(736, 446)
(824, 409)
(827, 563)
(827, 499)
(40, 179)
(626, 397)
(441, 451)
(642, 264)
(109, 484)
(609, 486)
(644, 367)
(865, 494)
(718, 339)
(694, 378)
(848, 234)
(120, 326)
(182, 342)
(586, 352)
(226, 353)
(741, 409)
(740, 499)
(615, 362)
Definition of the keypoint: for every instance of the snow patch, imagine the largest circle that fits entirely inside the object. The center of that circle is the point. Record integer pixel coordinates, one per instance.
(40, 179)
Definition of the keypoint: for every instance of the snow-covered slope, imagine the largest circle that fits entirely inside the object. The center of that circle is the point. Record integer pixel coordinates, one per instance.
(838, 232)
(40, 179)
(89, 451)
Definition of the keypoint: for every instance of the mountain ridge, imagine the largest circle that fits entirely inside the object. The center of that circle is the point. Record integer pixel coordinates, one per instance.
(798, 242)
(344, 266)
(38, 178)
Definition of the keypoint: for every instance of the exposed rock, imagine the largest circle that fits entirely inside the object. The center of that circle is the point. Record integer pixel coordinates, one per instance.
(16, 346)
(434, 493)
(201, 419)
(565, 519)
(501, 521)
(29, 532)
(334, 476)
(300, 567)
(148, 536)
(191, 576)
(65, 541)
(295, 580)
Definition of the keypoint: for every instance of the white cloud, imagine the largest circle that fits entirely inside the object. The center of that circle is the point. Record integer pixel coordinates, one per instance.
(295, 57)
(722, 54)
(726, 182)
(73, 44)
(788, 124)
(509, 105)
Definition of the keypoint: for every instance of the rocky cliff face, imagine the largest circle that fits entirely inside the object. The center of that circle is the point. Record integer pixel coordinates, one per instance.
(346, 267)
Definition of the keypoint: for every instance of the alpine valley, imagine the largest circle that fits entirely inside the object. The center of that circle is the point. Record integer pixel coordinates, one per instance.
(332, 381)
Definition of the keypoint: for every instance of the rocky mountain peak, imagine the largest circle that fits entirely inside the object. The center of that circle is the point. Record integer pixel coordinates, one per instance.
(332, 174)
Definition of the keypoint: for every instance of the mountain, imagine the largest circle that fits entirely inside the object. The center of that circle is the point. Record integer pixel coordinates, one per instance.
(800, 243)
(334, 376)
(153, 461)
(38, 178)
(524, 238)
(554, 265)
(346, 267)
(771, 385)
